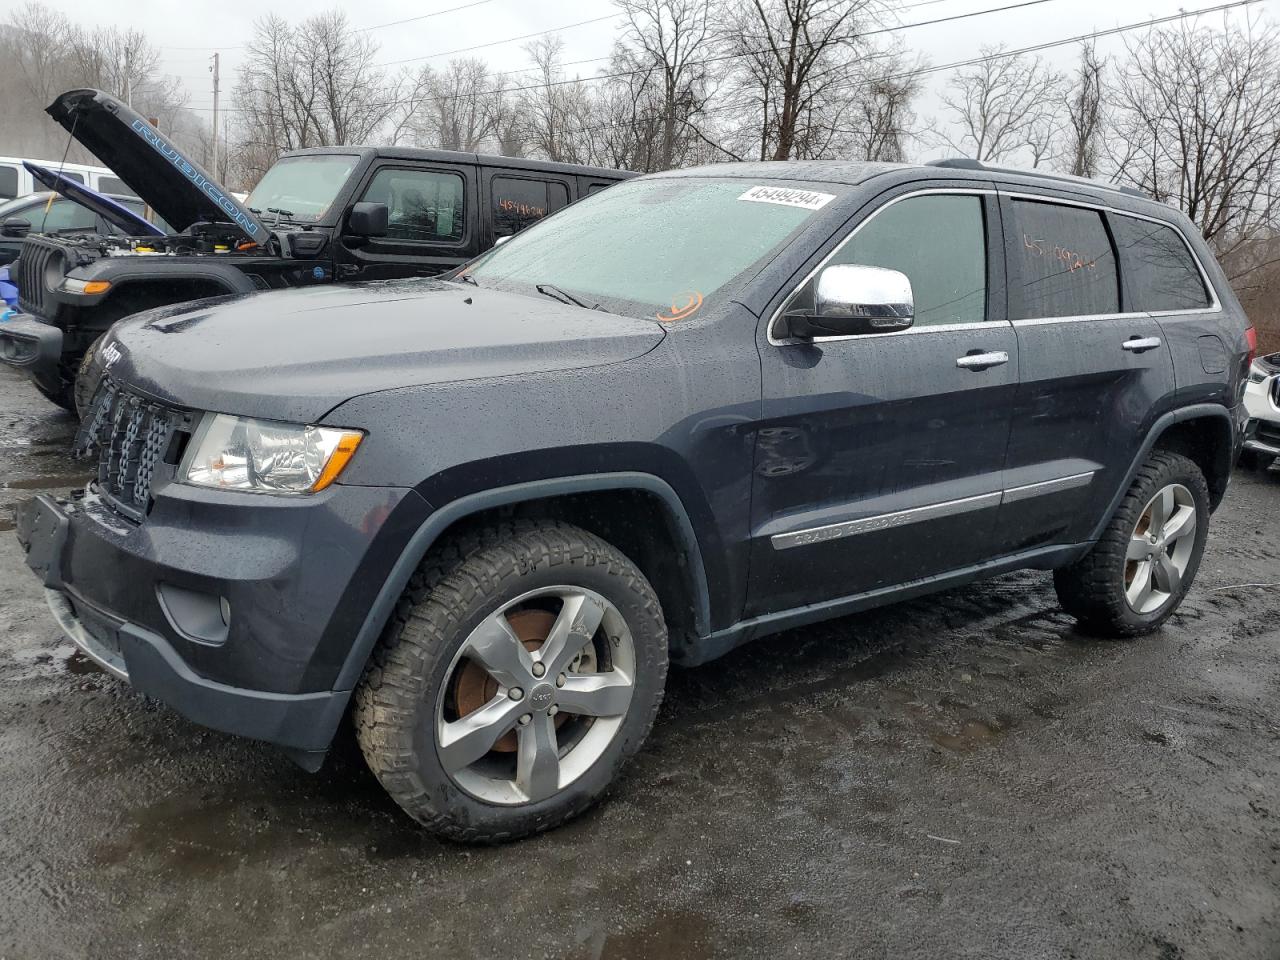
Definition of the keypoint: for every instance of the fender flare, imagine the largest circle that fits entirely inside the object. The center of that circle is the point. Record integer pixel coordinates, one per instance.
(1196, 411)
(439, 520)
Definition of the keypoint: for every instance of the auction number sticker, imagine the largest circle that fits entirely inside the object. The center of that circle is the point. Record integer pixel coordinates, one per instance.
(789, 197)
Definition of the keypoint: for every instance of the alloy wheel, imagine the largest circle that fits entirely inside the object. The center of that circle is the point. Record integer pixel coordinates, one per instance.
(1160, 549)
(535, 695)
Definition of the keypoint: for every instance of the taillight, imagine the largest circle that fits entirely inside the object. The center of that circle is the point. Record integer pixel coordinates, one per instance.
(1251, 338)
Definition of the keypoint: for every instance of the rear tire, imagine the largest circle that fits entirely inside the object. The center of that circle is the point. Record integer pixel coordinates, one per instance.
(1144, 563)
(481, 613)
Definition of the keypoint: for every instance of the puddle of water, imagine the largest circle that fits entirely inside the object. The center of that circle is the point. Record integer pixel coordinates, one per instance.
(972, 735)
(679, 935)
(80, 665)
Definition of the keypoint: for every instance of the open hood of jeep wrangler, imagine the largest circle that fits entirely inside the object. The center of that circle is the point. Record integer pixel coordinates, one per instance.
(114, 213)
(167, 180)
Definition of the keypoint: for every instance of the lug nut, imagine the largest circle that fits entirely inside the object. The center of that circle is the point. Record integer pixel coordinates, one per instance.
(524, 720)
(560, 680)
(539, 669)
(553, 711)
(515, 693)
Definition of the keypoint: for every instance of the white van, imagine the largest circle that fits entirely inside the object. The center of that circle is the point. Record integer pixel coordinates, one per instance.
(16, 182)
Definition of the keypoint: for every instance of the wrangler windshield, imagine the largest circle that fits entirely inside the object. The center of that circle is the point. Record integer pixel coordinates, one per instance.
(302, 187)
(662, 247)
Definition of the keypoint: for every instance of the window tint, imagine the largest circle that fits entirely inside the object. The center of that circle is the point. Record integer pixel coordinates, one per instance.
(940, 243)
(1067, 264)
(63, 215)
(426, 205)
(1158, 267)
(597, 187)
(72, 175)
(520, 203)
(114, 185)
(8, 182)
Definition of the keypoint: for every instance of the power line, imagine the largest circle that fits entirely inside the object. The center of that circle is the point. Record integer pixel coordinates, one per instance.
(498, 43)
(924, 71)
(417, 101)
(424, 16)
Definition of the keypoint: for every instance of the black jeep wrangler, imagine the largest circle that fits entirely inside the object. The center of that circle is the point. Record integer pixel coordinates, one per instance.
(485, 512)
(317, 216)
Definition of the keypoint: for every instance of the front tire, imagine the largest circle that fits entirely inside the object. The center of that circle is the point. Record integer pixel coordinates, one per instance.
(1142, 566)
(88, 376)
(524, 666)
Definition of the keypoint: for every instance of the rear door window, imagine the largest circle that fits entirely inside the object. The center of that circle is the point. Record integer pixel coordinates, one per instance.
(8, 182)
(1065, 260)
(426, 206)
(1159, 270)
(519, 203)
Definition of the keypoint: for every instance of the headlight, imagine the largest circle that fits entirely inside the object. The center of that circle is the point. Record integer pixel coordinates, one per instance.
(1256, 373)
(264, 456)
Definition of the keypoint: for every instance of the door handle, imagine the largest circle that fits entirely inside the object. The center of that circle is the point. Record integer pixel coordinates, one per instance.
(1140, 344)
(981, 361)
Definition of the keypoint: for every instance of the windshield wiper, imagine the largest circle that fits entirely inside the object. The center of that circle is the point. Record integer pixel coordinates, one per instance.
(467, 278)
(564, 296)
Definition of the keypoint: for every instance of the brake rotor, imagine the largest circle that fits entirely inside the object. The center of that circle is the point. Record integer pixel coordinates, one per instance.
(473, 686)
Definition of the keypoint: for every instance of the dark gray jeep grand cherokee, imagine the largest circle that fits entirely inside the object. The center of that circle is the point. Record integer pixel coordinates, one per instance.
(484, 513)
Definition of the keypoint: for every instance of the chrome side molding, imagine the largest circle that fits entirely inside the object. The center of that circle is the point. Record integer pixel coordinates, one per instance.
(933, 511)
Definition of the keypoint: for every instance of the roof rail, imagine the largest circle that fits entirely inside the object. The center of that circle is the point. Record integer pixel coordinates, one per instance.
(968, 163)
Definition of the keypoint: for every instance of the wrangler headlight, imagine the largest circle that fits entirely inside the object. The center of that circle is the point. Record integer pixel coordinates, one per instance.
(264, 456)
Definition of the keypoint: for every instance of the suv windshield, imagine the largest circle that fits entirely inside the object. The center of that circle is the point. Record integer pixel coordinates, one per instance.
(303, 187)
(659, 247)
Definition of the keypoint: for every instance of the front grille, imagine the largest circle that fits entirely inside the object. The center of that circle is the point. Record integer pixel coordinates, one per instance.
(130, 437)
(1275, 392)
(33, 267)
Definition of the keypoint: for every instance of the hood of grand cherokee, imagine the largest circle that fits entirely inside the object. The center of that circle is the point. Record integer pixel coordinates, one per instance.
(296, 354)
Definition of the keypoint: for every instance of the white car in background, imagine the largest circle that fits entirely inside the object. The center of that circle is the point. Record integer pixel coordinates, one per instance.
(1262, 400)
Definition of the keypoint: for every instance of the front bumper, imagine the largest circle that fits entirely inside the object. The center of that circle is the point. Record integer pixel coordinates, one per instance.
(35, 348)
(296, 578)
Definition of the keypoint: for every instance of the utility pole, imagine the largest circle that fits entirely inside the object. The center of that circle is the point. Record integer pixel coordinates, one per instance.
(214, 68)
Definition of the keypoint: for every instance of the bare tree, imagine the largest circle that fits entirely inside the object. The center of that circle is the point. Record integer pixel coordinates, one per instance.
(459, 110)
(882, 103)
(1084, 126)
(792, 64)
(1004, 106)
(662, 59)
(1198, 118)
(556, 109)
(315, 84)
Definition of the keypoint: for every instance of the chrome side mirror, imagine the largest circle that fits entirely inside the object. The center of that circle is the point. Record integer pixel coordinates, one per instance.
(853, 300)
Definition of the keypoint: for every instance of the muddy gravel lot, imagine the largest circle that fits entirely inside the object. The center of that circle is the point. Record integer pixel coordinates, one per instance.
(962, 776)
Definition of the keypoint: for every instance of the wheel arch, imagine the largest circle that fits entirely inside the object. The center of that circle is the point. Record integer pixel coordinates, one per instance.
(1206, 433)
(577, 499)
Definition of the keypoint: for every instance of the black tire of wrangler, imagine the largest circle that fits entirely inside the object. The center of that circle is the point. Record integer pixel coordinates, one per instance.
(456, 586)
(62, 399)
(88, 375)
(1092, 588)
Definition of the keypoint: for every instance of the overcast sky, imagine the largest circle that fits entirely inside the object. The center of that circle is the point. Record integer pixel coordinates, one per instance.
(496, 29)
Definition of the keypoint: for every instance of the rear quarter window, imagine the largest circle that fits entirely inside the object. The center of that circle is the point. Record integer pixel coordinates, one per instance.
(1066, 263)
(1160, 272)
(8, 182)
